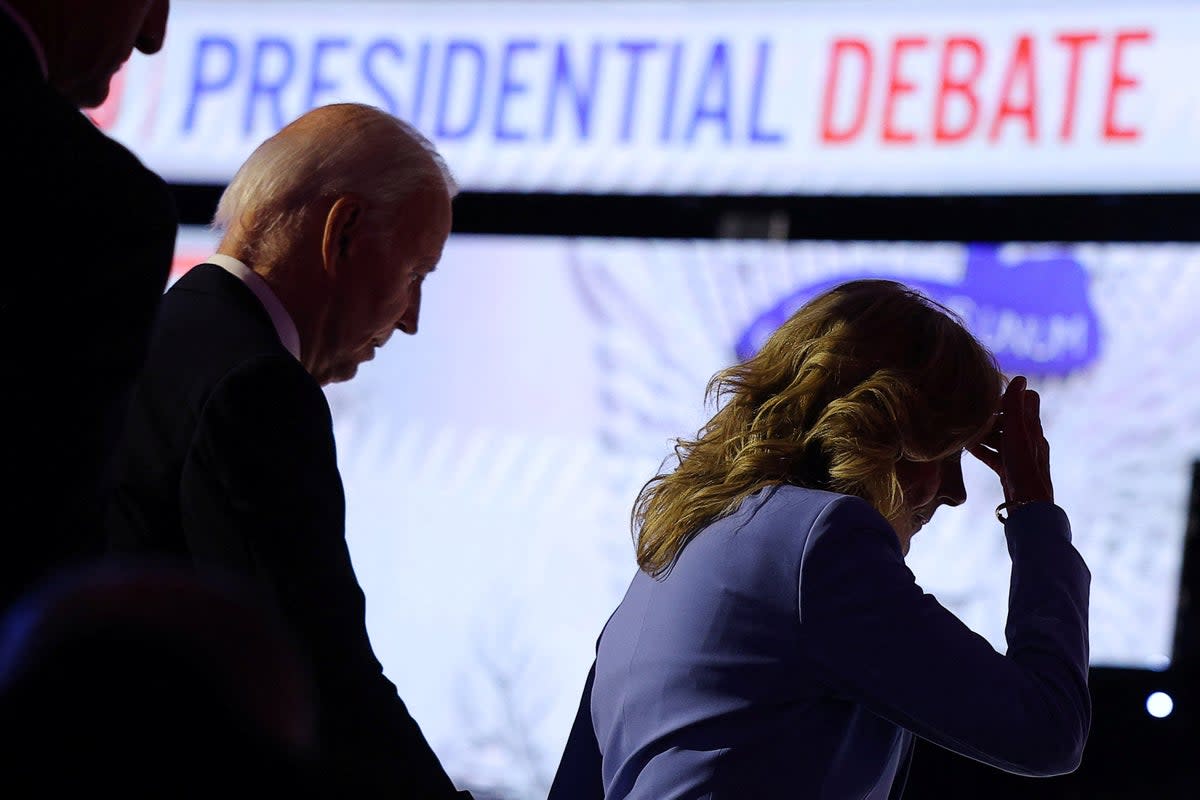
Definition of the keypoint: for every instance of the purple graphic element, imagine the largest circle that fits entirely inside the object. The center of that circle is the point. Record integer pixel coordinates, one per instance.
(1034, 314)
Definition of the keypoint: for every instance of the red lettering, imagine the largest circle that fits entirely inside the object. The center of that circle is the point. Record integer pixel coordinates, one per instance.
(959, 79)
(1020, 73)
(963, 86)
(843, 47)
(1118, 82)
(898, 86)
(1075, 43)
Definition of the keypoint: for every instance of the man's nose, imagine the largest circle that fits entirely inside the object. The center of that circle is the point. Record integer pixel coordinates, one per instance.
(154, 29)
(408, 322)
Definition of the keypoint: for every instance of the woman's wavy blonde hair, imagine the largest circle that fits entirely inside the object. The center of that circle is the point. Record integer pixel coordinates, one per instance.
(863, 375)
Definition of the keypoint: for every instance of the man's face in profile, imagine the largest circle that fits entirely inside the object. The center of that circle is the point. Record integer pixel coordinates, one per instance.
(383, 291)
(91, 40)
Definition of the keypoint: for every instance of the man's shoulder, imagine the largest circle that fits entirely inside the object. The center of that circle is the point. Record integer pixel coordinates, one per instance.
(210, 320)
(63, 145)
(212, 343)
(270, 398)
(273, 372)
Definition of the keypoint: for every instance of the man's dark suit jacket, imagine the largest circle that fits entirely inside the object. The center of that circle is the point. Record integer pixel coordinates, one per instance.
(89, 235)
(229, 461)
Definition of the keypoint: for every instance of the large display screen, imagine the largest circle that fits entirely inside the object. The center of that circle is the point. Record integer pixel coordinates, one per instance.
(750, 97)
(491, 461)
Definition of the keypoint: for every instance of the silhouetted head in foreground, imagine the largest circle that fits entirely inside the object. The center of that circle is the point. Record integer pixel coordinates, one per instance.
(85, 42)
(148, 677)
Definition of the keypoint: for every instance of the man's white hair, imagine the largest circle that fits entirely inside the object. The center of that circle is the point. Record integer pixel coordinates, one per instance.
(342, 148)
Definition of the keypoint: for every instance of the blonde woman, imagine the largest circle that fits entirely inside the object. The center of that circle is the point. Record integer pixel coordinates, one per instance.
(773, 643)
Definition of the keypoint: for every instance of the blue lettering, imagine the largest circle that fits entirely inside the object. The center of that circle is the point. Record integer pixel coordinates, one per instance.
(419, 82)
(582, 97)
(668, 120)
(319, 82)
(272, 89)
(510, 87)
(454, 49)
(203, 83)
(757, 133)
(635, 51)
(386, 48)
(1033, 337)
(718, 71)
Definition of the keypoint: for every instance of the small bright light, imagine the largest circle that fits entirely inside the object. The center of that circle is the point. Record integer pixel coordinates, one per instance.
(1160, 704)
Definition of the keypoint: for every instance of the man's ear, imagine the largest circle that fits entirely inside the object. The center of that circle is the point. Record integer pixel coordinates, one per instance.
(343, 224)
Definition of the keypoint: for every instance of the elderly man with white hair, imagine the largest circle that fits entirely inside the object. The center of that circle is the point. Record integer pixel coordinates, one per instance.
(330, 229)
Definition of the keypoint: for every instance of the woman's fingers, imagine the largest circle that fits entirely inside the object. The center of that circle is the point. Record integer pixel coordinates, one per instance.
(992, 438)
(989, 457)
(1024, 450)
(1033, 414)
(1013, 407)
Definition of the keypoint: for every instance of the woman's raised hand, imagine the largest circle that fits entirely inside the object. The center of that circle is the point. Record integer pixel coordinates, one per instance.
(1016, 449)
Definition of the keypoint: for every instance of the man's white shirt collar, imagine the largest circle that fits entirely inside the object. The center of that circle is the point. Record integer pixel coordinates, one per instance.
(282, 320)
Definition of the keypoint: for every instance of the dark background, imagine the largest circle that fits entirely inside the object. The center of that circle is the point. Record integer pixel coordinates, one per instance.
(971, 218)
